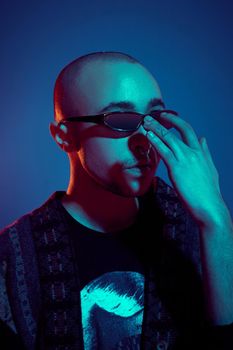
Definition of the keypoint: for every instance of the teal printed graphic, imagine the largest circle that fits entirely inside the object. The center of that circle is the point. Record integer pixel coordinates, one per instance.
(112, 311)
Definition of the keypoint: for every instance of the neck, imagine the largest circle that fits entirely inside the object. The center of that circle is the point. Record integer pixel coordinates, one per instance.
(96, 207)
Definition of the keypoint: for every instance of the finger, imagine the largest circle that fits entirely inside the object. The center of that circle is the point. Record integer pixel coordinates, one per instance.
(206, 150)
(165, 152)
(205, 147)
(171, 140)
(207, 153)
(187, 133)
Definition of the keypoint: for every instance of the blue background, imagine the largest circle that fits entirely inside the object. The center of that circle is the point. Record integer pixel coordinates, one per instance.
(187, 45)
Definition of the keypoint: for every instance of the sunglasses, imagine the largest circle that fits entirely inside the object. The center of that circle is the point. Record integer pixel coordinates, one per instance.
(120, 121)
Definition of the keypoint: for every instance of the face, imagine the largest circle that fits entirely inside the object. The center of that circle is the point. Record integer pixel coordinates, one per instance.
(123, 163)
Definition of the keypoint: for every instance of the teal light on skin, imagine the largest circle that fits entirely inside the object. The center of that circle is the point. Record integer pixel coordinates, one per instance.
(100, 161)
(195, 178)
(191, 168)
(100, 157)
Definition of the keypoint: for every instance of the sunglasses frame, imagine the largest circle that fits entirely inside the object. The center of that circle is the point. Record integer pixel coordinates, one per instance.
(102, 118)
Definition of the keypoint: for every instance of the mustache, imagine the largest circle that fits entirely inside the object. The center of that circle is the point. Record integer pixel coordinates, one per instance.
(146, 158)
(143, 160)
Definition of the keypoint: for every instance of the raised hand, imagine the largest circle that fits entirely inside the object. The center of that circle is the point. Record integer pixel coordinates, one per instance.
(190, 167)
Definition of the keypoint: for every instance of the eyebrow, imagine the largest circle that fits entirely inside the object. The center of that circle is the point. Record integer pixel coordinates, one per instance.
(129, 105)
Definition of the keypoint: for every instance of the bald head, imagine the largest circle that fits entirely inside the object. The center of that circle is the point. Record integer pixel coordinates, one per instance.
(67, 91)
(92, 85)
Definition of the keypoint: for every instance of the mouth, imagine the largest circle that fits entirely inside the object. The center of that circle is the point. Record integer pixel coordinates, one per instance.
(139, 170)
(141, 166)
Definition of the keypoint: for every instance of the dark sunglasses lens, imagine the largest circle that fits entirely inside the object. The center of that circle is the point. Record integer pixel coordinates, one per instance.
(123, 121)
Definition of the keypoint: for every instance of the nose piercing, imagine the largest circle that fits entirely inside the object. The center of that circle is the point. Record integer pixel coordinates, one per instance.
(148, 151)
(144, 151)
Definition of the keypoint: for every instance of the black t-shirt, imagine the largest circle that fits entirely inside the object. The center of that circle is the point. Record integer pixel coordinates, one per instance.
(112, 276)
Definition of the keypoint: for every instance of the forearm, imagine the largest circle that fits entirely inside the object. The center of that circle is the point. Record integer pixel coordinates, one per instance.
(217, 265)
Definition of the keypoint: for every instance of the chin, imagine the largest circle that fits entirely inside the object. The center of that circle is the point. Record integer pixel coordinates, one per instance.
(133, 188)
(140, 189)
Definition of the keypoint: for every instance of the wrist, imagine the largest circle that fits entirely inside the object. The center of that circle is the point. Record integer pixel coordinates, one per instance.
(218, 221)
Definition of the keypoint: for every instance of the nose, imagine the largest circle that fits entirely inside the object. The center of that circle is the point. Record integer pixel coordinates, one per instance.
(139, 143)
(142, 151)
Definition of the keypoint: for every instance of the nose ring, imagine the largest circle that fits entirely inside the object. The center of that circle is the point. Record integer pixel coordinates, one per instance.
(148, 151)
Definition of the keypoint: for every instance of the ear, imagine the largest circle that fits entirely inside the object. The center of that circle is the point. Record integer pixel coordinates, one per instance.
(62, 137)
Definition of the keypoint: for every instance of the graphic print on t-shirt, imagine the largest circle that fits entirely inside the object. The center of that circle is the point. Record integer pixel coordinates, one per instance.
(112, 311)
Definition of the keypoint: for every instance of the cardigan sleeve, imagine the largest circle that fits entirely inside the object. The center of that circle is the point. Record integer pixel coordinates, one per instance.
(5, 310)
(8, 333)
(9, 338)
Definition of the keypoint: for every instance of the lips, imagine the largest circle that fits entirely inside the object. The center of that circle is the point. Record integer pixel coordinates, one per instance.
(139, 169)
(141, 165)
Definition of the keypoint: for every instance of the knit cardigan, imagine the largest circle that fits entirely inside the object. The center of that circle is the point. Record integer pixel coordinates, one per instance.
(40, 307)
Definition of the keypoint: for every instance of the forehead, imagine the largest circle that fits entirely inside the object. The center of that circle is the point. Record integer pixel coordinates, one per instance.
(101, 83)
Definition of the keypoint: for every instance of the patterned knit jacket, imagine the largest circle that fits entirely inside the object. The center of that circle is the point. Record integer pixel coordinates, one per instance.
(40, 304)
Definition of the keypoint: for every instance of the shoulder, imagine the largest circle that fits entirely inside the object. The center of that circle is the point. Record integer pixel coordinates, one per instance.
(8, 234)
(18, 231)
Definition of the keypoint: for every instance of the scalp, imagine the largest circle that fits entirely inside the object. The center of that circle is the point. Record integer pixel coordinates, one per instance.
(68, 77)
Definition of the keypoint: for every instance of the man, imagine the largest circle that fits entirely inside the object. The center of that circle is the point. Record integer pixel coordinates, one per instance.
(121, 260)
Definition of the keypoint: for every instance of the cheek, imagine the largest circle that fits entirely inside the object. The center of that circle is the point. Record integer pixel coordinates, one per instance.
(100, 155)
